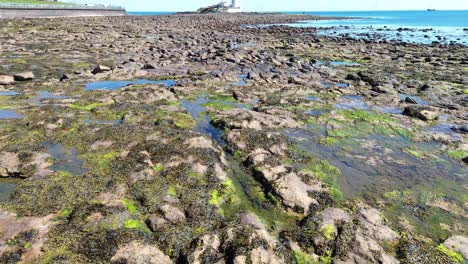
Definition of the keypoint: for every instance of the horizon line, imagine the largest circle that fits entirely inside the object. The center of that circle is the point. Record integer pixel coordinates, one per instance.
(395, 10)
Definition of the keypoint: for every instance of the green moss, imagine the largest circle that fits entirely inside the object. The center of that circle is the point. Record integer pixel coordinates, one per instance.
(87, 107)
(136, 224)
(457, 154)
(326, 259)
(197, 176)
(80, 65)
(302, 258)
(131, 207)
(27, 245)
(413, 151)
(393, 196)
(457, 257)
(172, 191)
(327, 141)
(100, 162)
(158, 167)
(215, 198)
(465, 91)
(221, 103)
(328, 174)
(328, 231)
(184, 120)
(365, 115)
(65, 213)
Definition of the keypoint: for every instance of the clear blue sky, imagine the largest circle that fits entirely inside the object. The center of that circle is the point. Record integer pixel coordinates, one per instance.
(290, 5)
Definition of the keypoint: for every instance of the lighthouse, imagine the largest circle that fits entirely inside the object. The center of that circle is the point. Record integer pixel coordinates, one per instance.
(235, 7)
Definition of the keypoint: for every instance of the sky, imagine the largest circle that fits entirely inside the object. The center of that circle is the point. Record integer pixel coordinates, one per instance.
(289, 5)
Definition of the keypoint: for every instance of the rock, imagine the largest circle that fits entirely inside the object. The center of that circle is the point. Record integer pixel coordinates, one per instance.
(414, 251)
(458, 244)
(208, 244)
(199, 142)
(101, 144)
(6, 80)
(9, 164)
(172, 214)
(353, 77)
(251, 220)
(64, 77)
(243, 118)
(156, 223)
(332, 215)
(100, 68)
(373, 225)
(385, 88)
(422, 112)
(24, 76)
(137, 252)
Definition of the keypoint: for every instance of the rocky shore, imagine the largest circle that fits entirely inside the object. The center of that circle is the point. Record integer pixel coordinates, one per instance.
(212, 139)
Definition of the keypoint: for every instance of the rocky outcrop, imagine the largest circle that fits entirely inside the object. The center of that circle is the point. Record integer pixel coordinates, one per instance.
(243, 118)
(137, 252)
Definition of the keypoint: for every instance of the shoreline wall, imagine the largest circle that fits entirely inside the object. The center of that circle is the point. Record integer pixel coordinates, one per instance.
(18, 12)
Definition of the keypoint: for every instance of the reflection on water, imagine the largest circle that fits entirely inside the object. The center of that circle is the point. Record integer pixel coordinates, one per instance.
(6, 188)
(9, 114)
(114, 85)
(380, 163)
(204, 126)
(65, 158)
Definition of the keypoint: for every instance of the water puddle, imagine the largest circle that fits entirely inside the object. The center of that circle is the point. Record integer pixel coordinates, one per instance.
(9, 114)
(8, 93)
(114, 85)
(250, 194)
(349, 102)
(196, 110)
(238, 45)
(388, 110)
(337, 63)
(343, 63)
(312, 98)
(316, 112)
(382, 162)
(6, 188)
(41, 95)
(65, 159)
(405, 97)
(329, 85)
(416, 180)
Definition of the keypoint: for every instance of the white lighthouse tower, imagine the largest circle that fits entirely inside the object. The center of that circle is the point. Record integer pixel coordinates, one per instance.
(235, 7)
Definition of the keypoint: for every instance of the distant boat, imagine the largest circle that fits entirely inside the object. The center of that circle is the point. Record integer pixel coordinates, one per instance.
(430, 9)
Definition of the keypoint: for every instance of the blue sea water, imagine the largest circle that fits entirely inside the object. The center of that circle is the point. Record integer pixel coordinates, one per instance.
(415, 26)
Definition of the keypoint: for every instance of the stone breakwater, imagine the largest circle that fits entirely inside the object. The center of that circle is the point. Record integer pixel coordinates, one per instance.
(196, 139)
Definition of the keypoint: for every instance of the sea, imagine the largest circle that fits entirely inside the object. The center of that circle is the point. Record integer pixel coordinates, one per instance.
(406, 26)
(423, 26)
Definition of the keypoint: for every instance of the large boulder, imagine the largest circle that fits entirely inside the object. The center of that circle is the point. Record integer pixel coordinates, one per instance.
(24, 76)
(422, 112)
(9, 164)
(137, 252)
(6, 80)
(243, 118)
(458, 244)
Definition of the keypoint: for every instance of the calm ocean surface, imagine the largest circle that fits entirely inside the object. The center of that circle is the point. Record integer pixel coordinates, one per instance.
(424, 26)
(415, 26)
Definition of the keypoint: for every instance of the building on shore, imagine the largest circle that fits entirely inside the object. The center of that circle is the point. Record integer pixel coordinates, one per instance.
(222, 7)
(234, 7)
